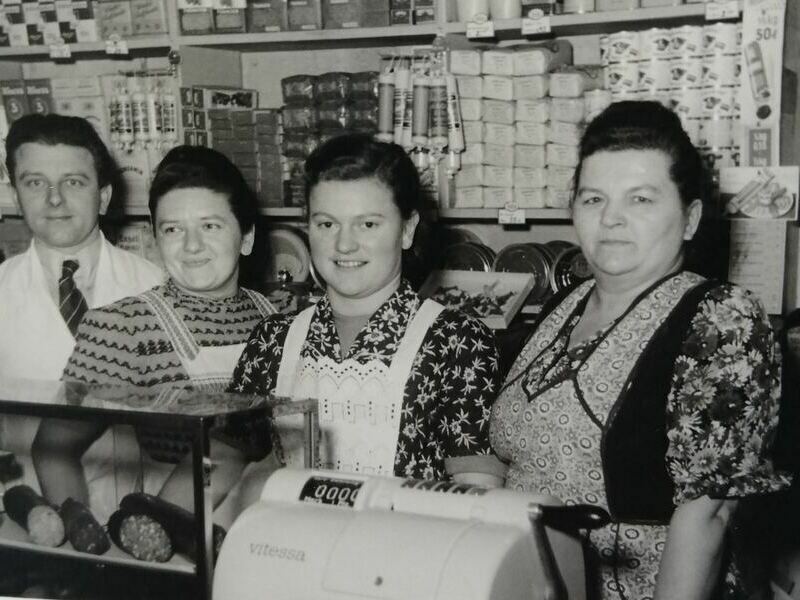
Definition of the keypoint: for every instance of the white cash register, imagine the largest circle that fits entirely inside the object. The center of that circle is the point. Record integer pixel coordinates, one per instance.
(325, 535)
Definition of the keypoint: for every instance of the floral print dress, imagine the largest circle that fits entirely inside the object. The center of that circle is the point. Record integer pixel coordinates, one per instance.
(548, 422)
(448, 395)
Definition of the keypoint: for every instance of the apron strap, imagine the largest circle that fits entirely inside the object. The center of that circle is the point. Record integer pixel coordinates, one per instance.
(295, 338)
(415, 334)
(264, 306)
(182, 339)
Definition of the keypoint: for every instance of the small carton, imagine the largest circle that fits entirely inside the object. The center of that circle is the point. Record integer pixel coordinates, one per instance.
(15, 101)
(40, 96)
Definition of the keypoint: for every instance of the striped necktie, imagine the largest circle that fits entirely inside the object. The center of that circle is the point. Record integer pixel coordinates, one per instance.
(72, 304)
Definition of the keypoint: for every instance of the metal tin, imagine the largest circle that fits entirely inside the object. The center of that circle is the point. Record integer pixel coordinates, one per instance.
(569, 268)
(468, 256)
(535, 259)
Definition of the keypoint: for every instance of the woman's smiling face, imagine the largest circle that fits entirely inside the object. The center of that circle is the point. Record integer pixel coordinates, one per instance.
(200, 241)
(357, 236)
(629, 217)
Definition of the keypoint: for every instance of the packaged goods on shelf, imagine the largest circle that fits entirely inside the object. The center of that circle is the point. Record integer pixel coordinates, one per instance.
(525, 197)
(15, 100)
(498, 155)
(473, 131)
(498, 111)
(533, 157)
(229, 17)
(303, 15)
(266, 16)
(559, 178)
(471, 109)
(535, 111)
(498, 87)
(528, 177)
(496, 133)
(469, 176)
(344, 14)
(572, 82)
(562, 132)
(149, 17)
(470, 86)
(473, 155)
(530, 87)
(465, 62)
(497, 197)
(557, 198)
(498, 61)
(115, 18)
(196, 16)
(530, 133)
(560, 155)
(494, 176)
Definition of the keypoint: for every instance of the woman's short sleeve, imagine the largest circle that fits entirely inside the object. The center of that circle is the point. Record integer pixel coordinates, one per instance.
(722, 409)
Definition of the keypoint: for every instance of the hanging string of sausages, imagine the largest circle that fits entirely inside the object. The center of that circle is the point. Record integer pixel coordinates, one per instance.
(418, 108)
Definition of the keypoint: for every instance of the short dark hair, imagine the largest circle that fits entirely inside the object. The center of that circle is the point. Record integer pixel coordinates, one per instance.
(358, 156)
(200, 167)
(55, 129)
(646, 125)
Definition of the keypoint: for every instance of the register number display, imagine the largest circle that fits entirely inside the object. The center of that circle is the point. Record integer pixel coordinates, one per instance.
(334, 492)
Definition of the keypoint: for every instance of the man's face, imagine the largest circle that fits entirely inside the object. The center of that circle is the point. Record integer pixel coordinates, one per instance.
(58, 194)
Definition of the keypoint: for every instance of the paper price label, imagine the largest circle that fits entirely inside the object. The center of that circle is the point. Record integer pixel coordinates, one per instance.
(60, 51)
(511, 216)
(480, 29)
(536, 25)
(722, 9)
(117, 47)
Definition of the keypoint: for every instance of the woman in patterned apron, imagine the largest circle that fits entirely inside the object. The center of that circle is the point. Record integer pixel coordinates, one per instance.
(649, 390)
(404, 386)
(189, 331)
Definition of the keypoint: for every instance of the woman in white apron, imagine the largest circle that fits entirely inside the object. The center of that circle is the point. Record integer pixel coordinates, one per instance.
(189, 331)
(404, 386)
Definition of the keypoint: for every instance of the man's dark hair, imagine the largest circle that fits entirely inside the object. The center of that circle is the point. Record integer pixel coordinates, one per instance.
(59, 129)
(199, 167)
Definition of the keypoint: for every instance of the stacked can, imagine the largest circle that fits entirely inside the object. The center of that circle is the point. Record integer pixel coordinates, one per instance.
(720, 114)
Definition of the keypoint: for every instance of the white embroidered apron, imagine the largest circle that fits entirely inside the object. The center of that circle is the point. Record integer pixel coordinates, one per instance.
(209, 369)
(360, 405)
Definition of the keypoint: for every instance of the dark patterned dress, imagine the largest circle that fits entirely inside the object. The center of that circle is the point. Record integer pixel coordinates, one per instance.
(721, 412)
(447, 398)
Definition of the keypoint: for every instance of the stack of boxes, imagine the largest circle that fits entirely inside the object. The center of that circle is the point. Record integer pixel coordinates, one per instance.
(128, 18)
(412, 12)
(505, 111)
(319, 107)
(47, 23)
(568, 112)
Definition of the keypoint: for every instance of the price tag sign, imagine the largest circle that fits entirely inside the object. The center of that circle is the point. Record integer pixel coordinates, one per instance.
(722, 9)
(116, 46)
(480, 28)
(511, 216)
(60, 51)
(536, 25)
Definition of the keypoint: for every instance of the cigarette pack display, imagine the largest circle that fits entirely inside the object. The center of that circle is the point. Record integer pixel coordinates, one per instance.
(498, 155)
(303, 15)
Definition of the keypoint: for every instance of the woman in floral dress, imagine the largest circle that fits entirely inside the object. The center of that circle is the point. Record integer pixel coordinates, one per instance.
(649, 390)
(404, 386)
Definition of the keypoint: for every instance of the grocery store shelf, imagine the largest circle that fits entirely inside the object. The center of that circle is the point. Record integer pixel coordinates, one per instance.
(571, 21)
(133, 44)
(491, 214)
(375, 35)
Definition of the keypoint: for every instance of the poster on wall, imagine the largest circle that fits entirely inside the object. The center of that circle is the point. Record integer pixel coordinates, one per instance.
(760, 92)
(759, 192)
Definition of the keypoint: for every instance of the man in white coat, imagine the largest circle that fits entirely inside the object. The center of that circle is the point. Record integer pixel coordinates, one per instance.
(61, 172)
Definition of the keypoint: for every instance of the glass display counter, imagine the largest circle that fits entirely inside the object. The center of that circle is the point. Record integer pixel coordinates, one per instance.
(196, 415)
